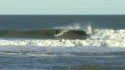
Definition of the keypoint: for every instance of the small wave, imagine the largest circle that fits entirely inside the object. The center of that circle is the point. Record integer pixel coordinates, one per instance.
(63, 37)
(98, 37)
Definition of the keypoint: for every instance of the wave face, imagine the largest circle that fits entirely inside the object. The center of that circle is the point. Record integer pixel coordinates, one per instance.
(44, 34)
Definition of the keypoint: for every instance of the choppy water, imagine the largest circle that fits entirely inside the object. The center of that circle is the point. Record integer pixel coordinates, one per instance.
(62, 63)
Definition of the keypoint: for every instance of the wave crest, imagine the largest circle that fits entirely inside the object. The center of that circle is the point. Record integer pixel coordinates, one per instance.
(75, 26)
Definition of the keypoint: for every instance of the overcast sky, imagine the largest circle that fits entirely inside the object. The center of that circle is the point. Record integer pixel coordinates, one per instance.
(50, 7)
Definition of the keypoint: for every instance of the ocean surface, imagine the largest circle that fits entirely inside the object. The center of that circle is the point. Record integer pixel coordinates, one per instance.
(62, 42)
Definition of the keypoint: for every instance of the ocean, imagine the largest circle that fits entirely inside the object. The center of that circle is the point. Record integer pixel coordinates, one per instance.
(62, 42)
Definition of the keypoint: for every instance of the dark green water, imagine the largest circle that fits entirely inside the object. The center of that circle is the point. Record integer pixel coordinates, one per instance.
(43, 34)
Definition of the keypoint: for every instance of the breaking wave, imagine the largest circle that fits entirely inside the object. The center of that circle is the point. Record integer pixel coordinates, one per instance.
(98, 37)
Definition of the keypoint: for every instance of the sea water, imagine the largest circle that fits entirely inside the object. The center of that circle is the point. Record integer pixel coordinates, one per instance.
(63, 42)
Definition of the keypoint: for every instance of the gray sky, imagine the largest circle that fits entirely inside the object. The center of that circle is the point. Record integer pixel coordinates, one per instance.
(51, 7)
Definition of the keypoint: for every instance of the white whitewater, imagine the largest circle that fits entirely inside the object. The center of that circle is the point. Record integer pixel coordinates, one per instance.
(88, 30)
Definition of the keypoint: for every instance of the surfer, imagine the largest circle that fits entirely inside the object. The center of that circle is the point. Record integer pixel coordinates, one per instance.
(76, 32)
(61, 32)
